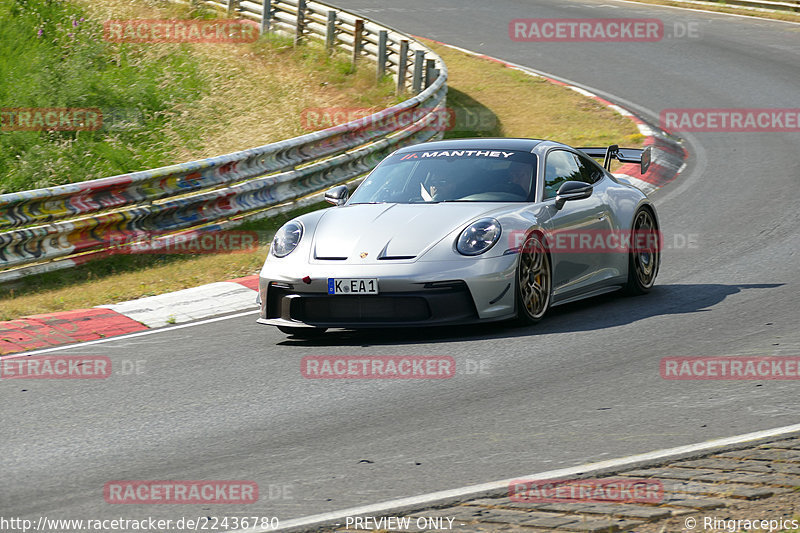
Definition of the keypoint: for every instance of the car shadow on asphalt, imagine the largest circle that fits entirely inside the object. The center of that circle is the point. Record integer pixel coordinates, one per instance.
(606, 311)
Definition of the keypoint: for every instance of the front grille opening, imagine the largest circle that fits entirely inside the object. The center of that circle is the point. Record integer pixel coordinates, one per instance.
(364, 308)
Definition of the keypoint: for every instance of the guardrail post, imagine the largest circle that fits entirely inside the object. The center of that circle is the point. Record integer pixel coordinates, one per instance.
(358, 36)
(330, 35)
(430, 72)
(402, 66)
(383, 38)
(301, 21)
(266, 16)
(232, 6)
(419, 59)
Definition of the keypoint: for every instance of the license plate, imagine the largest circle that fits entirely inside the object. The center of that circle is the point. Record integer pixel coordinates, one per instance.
(352, 286)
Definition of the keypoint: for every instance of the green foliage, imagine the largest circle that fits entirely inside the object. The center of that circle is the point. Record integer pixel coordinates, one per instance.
(53, 56)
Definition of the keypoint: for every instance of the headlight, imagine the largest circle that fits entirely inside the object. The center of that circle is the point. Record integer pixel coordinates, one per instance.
(478, 237)
(287, 239)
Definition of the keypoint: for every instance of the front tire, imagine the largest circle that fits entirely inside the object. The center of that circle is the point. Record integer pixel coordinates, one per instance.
(644, 257)
(303, 333)
(534, 281)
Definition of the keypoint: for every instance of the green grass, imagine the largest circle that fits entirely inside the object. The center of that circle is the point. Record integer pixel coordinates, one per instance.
(55, 56)
(163, 103)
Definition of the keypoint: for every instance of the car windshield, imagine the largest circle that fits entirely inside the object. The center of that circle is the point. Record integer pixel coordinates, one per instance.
(451, 176)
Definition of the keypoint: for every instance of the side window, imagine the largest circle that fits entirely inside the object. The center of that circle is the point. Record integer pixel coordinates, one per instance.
(590, 171)
(560, 166)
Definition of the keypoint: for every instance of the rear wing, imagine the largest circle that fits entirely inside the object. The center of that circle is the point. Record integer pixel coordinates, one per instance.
(623, 155)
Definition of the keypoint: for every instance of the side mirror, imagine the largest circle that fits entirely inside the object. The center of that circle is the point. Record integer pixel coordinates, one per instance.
(572, 190)
(337, 195)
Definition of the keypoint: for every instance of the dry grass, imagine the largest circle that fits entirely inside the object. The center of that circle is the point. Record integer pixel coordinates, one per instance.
(523, 106)
(527, 106)
(257, 92)
(260, 96)
(788, 16)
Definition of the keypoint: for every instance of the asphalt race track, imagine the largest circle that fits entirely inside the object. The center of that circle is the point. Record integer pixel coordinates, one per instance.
(224, 400)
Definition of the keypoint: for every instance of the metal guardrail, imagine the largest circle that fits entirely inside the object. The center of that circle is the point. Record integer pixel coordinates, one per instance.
(95, 216)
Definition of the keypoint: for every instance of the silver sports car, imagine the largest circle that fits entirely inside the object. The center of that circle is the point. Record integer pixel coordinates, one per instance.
(462, 231)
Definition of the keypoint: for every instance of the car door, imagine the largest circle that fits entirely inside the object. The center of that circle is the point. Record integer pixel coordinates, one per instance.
(611, 256)
(578, 265)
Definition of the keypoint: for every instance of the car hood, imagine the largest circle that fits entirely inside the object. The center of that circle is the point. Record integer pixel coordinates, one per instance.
(366, 233)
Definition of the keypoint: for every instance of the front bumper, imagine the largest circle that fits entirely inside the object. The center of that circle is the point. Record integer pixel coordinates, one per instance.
(441, 304)
(413, 294)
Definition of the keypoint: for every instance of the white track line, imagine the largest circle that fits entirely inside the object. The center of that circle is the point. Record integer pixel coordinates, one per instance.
(433, 498)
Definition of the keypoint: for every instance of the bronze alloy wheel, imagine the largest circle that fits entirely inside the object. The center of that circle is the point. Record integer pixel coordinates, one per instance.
(534, 279)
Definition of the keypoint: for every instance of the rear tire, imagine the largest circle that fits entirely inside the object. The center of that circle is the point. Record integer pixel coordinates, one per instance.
(534, 281)
(303, 333)
(644, 257)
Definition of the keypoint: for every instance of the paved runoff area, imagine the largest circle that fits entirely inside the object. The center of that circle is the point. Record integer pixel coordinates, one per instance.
(752, 489)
